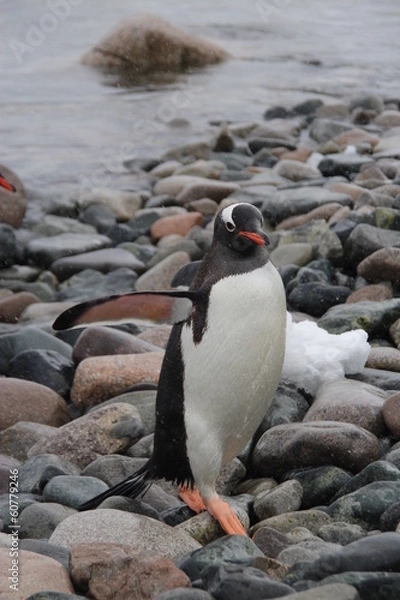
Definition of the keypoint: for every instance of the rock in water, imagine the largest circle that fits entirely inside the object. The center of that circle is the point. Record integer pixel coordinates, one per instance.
(148, 44)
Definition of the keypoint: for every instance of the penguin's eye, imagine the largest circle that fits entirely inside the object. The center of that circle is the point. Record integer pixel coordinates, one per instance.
(230, 226)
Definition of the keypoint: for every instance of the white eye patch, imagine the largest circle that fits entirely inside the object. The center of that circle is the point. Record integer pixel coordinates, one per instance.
(226, 216)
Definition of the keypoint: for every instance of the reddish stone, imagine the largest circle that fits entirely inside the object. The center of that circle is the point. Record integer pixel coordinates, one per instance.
(12, 306)
(177, 224)
(116, 572)
(391, 414)
(22, 400)
(99, 378)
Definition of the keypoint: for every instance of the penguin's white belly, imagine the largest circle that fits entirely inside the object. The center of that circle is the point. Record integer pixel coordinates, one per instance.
(231, 375)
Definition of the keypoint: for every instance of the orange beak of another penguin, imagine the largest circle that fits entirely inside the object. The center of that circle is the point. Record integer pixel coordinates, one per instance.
(4, 183)
(260, 238)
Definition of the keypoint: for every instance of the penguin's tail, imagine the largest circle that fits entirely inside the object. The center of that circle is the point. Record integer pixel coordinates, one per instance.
(134, 485)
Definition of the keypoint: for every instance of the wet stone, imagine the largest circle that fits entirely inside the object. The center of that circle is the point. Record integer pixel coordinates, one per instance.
(46, 367)
(30, 337)
(237, 582)
(58, 553)
(72, 490)
(307, 551)
(39, 520)
(350, 401)
(377, 585)
(390, 519)
(238, 549)
(44, 251)
(319, 484)
(285, 497)
(316, 298)
(317, 443)
(365, 506)
(341, 533)
(37, 471)
(270, 541)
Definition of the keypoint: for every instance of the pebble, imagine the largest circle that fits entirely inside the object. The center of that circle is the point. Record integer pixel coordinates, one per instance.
(379, 585)
(46, 367)
(41, 573)
(99, 378)
(159, 277)
(352, 402)
(366, 505)
(61, 555)
(235, 582)
(384, 358)
(30, 337)
(99, 260)
(284, 498)
(382, 265)
(39, 519)
(87, 437)
(215, 190)
(35, 472)
(220, 552)
(12, 306)
(325, 464)
(29, 401)
(124, 205)
(391, 415)
(119, 527)
(128, 571)
(315, 443)
(102, 341)
(296, 170)
(312, 519)
(16, 440)
(72, 490)
(319, 484)
(45, 250)
(179, 224)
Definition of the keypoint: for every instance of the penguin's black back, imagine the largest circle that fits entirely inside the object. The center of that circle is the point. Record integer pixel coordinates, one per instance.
(169, 458)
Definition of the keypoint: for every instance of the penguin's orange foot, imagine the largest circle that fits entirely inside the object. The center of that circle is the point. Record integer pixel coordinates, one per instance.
(225, 516)
(191, 497)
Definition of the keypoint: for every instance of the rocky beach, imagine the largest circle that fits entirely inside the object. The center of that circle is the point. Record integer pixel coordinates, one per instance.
(318, 487)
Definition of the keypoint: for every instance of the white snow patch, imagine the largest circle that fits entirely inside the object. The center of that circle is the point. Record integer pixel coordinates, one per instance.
(314, 356)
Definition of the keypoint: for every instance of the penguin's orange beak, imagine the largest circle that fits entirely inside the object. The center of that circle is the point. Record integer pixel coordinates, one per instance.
(260, 238)
(4, 183)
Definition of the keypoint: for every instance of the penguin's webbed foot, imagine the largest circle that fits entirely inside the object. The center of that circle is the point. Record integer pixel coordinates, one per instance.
(225, 516)
(191, 497)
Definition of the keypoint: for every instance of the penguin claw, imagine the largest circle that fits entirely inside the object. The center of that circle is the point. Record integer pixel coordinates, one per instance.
(225, 516)
(191, 497)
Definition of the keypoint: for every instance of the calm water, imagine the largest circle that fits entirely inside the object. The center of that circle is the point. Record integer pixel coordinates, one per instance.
(63, 123)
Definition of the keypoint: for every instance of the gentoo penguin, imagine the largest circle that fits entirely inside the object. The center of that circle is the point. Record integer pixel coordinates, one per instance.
(221, 367)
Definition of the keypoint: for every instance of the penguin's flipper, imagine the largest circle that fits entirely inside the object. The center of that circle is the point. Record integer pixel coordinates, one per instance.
(159, 307)
(225, 516)
(133, 486)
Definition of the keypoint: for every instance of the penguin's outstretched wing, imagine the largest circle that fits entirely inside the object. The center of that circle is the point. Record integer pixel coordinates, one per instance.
(161, 307)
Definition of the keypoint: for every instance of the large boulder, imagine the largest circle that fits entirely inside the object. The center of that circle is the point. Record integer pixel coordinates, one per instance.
(147, 44)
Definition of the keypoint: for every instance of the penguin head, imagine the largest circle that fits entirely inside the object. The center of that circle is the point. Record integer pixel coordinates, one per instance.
(239, 227)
